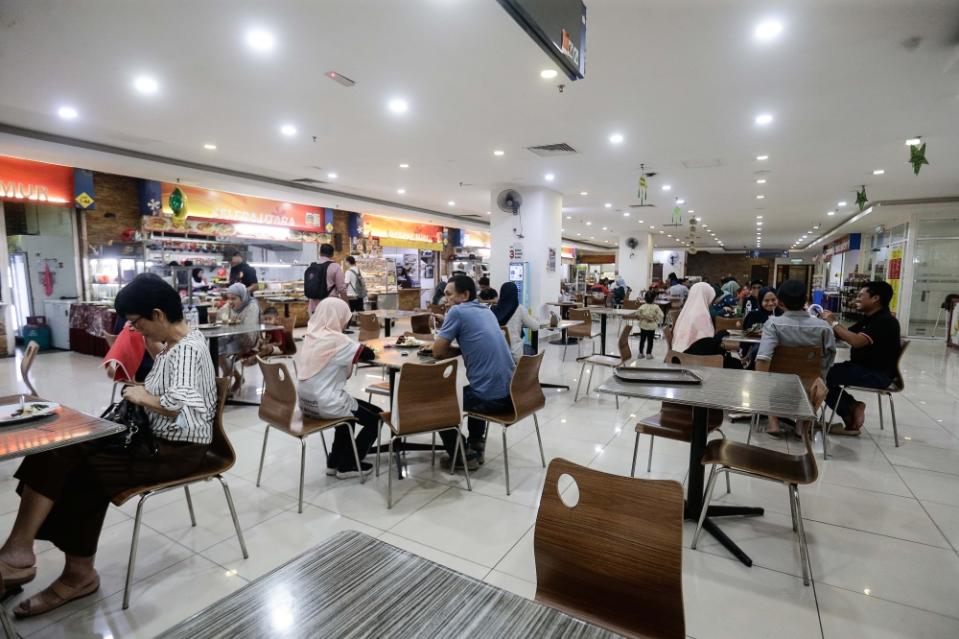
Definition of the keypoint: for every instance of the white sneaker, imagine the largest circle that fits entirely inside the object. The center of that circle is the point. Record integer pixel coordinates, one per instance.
(649, 356)
(348, 474)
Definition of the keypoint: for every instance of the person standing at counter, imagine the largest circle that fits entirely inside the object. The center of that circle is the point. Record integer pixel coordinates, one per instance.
(355, 286)
(242, 272)
(324, 278)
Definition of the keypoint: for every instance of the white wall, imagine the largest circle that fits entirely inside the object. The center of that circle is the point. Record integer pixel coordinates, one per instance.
(663, 256)
(635, 265)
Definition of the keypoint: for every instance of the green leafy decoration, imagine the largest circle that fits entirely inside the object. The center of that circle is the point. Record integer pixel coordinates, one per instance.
(917, 157)
(861, 198)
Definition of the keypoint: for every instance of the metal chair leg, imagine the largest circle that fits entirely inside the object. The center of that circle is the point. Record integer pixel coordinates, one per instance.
(565, 346)
(259, 473)
(579, 381)
(792, 507)
(133, 550)
(649, 461)
(882, 426)
(433, 452)
(709, 497)
(356, 454)
(617, 401)
(506, 461)
(466, 468)
(379, 431)
(302, 474)
(590, 380)
(236, 520)
(828, 425)
(753, 425)
(632, 469)
(895, 427)
(803, 548)
(326, 452)
(189, 504)
(539, 440)
(389, 473)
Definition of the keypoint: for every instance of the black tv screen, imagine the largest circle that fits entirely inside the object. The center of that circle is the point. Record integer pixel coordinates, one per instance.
(558, 27)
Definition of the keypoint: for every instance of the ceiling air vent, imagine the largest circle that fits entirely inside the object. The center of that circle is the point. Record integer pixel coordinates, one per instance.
(702, 163)
(308, 181)
(552, 150)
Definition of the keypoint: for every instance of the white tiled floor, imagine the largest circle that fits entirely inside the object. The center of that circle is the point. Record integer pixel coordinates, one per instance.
(883, 523)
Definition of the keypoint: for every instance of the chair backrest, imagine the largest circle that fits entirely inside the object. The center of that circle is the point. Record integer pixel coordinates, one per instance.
(422, 324)
(438, 309)
(668, 336)
(615, 553)
(580, 315)
(29, 354)
(685, 359)
(221, 446)
(426, 397)
(632, 304)
(817, 395)
(625, 354)
(805, 361)
(898, 380)
(278, 402)
(289, 345)
(728, 323)
(672, 316)
(369, 326)
(505, 330)
(524, 389)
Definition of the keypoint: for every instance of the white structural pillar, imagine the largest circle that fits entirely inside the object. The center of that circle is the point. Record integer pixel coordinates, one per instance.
(635, 262)
(536, 232)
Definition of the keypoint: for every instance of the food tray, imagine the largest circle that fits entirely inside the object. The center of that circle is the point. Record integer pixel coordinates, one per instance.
(9, 413)
(663, 376)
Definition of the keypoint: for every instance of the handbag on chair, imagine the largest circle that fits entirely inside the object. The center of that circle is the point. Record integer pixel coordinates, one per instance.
(138, 439)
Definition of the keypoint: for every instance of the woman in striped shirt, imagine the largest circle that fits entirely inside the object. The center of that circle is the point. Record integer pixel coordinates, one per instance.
(65, 492)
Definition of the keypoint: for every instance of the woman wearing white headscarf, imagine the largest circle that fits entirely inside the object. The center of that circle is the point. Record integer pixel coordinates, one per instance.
(324, 363)
(694, 321)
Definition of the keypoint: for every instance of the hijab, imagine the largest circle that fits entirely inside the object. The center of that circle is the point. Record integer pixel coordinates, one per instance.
(507, 304)
(694, 321)
(324, 336)
(240, 291)
(760, 315)
(620, 282)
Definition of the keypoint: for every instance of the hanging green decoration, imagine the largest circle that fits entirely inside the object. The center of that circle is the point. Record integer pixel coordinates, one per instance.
(917, 156)
(178, 204)
(677, 215)
(641, 193)
(861, 198)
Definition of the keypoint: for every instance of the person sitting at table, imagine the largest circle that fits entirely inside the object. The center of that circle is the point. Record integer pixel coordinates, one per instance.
(487, 296)
(199, 282)
(619, 290)
(514, 317)
(650, 317)
(484, 285)
(244, 312)
(768, 307)
(723, 306)
(489, 363)
(324, 363)
(874, 354)
(730, 285)
(679, 292)
(693, 331)
(275, 341)
(795, 327)
(65, 492)
(752, 299)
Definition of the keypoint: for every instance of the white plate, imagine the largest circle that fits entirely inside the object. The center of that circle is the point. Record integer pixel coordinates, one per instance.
(9, 413)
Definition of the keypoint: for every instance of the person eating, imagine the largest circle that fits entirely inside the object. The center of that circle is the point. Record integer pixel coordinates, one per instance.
(244, 312)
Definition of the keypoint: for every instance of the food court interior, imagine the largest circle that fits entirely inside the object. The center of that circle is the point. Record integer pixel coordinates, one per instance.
(621, 172)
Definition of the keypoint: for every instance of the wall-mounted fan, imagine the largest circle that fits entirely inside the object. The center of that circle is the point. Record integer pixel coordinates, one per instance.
(509, 201)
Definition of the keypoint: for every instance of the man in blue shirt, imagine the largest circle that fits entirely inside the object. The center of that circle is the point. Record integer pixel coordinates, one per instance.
(489, 363)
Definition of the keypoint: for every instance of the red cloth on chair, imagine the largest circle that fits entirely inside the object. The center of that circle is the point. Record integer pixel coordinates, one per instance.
(126, 353)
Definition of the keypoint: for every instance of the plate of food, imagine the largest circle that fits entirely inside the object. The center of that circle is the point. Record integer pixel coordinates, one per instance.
(408, 341)
(23, 411)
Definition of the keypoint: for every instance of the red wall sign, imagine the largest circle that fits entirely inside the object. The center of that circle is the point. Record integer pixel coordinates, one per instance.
(35, 181)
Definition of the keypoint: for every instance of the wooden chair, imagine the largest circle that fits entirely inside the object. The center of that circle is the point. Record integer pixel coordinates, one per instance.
(668, 336)
(728, 323)
(369, 326)
(219, 458)
(614, 558)
(426, 402)
(804, 361)
(671, 317)
(280, 409)
(632, 305)
(727, 457)
(606, 361)
(527, 397)
(506, 335)
(581, 331)
(898, 386)
(437, 309)
(675, 421)
(26, 363)
(422, 326)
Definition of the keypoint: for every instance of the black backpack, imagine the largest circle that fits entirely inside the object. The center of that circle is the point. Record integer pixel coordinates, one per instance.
(314, 280)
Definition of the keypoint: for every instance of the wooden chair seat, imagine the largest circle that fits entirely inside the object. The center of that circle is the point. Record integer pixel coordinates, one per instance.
(771, 464)
(607, 361)
(378, 388)
(214, 463)
(658, 426)
(301, 426)
(506, 419)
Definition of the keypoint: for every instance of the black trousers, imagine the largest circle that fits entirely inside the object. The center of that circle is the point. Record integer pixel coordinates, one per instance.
(646, 338)
(476, 427)
(356, 304)
(83, 478)
(341, 455)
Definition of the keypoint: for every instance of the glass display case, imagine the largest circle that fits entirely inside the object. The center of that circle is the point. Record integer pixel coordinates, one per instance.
(379, 273)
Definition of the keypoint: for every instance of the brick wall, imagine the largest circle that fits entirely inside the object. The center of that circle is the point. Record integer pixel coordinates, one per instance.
(116, 208)
(716, 266)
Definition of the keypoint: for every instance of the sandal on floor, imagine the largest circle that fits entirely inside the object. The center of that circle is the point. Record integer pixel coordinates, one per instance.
(16, 576)
(61, 594)
(845, 432)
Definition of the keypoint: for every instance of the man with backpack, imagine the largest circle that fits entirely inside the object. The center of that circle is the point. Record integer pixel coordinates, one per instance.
(324, 278)
(355, 285)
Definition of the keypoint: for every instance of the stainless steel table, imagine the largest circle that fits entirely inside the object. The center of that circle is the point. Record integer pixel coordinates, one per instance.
(603, 313)
(722, 389)
(352, 585)
(534, 342)
(213, 335)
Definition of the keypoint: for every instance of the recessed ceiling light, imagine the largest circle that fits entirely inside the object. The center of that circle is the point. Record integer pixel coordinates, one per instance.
(398, 105)
(761, 181)
(451, 203)
(562, 230)
(489, 213)
(583, 193)
(625, 213)
(592, 237)
(288, 130)
(661, 232)
(499, 153)
(332, 175)
(693, 211)
(879, 171)
(146, 84)
(589, 224)
(640, 221)
(260, 40)
(578, 234)
(843, 203)
(830, 212)
(768, 30)
(67, 113)
(680, 201)
(608, 205)
(759, 223)
(762, 158)
(763, 119)
(616, 138)
(209, 147)
(605, 229)
(549, 177)
(668, 234)
(548, 74)
(666, 187)
(913, 142)
(760, 197)
(401, 191)
(569, 217)
(404, 166)
(652, 226)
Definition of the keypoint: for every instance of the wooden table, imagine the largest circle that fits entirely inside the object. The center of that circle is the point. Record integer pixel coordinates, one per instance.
(722, 389)
(353, 585)
(64, 428)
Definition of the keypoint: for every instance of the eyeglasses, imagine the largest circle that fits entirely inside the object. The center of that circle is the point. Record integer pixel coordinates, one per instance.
(134, 324)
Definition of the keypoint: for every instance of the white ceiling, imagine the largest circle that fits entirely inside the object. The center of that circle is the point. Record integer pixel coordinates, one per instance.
(682, 80)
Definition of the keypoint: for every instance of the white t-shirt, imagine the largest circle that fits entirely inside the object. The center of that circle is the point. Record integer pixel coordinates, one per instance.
(352, 282)
(324, 395)
(678, 291)
(514, 326)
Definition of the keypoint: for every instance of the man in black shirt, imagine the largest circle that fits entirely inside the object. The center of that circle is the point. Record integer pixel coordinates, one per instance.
(874, 356)
(242, 272)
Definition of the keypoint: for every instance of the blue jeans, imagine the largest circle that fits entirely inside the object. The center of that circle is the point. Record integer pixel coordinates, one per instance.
(476, 427)
(847, 373)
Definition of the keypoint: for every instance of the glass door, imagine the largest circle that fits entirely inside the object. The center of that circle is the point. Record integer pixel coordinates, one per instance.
(936, 274)
(20, 283)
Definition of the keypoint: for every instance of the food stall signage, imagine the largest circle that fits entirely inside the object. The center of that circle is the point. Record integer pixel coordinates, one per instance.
(36, 181)
(230, 207)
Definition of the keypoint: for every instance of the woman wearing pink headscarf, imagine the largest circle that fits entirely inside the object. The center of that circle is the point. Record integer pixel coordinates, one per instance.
(694, 322)
(324, 364)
